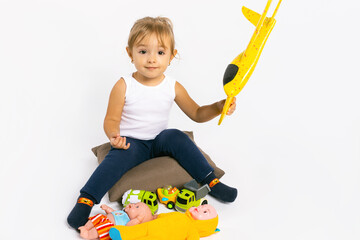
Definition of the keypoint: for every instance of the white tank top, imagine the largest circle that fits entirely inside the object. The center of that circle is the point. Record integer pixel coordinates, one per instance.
(147, 108)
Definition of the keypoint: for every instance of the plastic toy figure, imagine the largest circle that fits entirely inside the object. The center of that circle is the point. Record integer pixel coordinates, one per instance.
(239, 71)
(167, 196)
(99, 225)
(195, 223)
(135, 196)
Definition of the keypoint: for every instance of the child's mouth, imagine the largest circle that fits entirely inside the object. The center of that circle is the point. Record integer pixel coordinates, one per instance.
(151, 68)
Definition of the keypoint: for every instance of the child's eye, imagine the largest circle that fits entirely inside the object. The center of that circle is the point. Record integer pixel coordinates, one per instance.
(161, 52)
(142, 51)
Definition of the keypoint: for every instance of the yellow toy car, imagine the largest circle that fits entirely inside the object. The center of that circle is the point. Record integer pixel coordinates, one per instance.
(167, 196)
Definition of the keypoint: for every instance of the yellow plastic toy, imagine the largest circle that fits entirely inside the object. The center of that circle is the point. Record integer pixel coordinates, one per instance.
(240, 69)
(172, 225)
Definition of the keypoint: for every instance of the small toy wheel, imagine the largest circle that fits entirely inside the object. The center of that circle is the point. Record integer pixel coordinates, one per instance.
(170, 205)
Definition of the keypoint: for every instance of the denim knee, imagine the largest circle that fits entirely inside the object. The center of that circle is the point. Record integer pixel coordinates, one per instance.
(175, 143)
(175, 136)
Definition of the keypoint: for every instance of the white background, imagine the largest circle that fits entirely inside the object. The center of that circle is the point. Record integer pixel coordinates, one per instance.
(292, 148)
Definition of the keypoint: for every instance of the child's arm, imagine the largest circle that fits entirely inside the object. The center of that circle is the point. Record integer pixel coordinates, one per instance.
(113, 115)
(194, 111)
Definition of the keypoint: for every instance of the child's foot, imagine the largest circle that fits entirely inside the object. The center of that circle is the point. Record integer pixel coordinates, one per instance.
(219, 190)
(80, 213)
(115, 234)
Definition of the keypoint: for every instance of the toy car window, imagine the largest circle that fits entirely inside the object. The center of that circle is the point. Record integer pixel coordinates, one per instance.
(181, 201)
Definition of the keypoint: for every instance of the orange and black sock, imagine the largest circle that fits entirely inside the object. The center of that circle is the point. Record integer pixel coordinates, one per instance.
(219, 190)
(81, 212)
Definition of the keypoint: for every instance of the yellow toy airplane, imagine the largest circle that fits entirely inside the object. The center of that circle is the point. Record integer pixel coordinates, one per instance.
(240, 69)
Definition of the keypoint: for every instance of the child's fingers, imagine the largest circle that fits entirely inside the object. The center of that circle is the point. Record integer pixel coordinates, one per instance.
(119, 143)
(123, 142)
(124, 145)
(117, 140)
(232, 107)
(127, 146)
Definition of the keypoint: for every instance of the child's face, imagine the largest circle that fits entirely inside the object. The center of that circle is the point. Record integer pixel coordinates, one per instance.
(150, 58)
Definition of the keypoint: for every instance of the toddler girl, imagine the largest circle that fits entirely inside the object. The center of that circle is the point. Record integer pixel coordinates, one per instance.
(137, 117)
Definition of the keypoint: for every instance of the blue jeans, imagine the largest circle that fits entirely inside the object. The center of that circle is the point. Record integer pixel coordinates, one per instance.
(170, 142)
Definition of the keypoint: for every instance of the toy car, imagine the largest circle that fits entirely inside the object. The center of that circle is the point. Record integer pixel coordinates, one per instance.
(135, 196)
(167, 196)
(191, 196)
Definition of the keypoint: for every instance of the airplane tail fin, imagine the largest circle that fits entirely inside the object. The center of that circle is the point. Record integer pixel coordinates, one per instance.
(255, 18)
(259, 21)
(251, 15)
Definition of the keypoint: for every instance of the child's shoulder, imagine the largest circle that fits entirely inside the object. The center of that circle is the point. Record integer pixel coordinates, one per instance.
(124, 80)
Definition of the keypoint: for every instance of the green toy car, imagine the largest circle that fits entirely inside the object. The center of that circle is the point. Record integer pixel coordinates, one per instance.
(147, 197)
(191, 196)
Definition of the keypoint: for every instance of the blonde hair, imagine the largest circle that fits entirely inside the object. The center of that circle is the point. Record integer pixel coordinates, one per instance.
(162, 27)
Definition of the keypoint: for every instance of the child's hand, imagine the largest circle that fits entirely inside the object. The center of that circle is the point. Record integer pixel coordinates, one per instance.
(232, 107)
(119, 142)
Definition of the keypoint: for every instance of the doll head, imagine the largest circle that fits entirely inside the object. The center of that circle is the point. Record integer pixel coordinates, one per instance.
(161, 27)
(205, 219)
(203, 212)
(139, 210)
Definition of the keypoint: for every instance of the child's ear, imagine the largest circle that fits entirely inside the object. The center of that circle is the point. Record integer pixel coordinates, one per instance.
(129, 53)
(173, 55)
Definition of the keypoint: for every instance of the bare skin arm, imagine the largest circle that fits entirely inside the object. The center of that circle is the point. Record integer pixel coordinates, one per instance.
(113, 115)
(106, 208)
(194, 111)
(135, 221)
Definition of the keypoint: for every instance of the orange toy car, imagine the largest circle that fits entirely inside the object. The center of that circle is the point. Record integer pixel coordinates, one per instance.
(167, 196)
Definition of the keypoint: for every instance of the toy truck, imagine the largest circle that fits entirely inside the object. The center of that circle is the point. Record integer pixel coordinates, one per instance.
(135, 196)
(191, 196)
(167, 196)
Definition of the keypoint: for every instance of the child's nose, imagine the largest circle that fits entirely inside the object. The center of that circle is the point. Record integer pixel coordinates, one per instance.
(152, 58)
